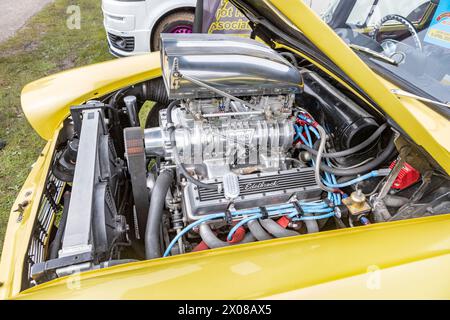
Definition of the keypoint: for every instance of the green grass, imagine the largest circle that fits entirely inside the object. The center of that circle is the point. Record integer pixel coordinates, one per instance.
(43, 47)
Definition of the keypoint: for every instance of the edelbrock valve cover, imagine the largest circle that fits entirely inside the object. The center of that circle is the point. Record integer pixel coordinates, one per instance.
(256, 190)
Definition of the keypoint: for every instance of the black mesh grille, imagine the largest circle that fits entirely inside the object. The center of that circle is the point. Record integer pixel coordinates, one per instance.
(128, 42)
(48, 209)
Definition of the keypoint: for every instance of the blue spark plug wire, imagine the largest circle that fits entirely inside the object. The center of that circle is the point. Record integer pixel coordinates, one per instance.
(291, 212)
(305, 218)
(373, 174)
(299, 131)
(329, 178)
(256, 213)
(241, 223)
(190, 227)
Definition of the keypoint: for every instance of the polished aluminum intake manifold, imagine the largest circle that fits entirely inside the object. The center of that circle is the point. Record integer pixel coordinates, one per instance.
(239, 66)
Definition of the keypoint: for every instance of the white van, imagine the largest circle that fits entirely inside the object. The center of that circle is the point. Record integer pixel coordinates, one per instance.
(133, 26)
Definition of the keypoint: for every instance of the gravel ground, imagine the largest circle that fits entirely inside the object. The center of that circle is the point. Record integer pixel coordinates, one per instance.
(14, 14)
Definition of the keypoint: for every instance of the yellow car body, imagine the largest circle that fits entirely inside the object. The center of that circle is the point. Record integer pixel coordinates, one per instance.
(405, 259)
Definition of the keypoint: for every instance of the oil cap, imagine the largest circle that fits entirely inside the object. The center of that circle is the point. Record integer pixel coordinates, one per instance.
(231, 186)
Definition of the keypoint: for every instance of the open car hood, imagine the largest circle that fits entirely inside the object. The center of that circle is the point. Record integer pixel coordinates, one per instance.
(292, 25)
(379, 260)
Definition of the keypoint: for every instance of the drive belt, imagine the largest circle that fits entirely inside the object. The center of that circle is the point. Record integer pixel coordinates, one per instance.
(135, 155)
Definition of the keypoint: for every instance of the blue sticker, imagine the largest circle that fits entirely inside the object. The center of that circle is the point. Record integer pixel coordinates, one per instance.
(439, 30)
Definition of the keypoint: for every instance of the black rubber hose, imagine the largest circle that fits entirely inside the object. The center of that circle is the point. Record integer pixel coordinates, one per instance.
(395, 201)
(155, 213)
(186, 174)
(56, 244)
(155, 90)
(350, 151)
(169, 110)
(115, 97)
(379, 160)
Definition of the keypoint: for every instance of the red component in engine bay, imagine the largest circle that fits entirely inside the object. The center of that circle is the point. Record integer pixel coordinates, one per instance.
(406, 177)
(238, 236)
(200, 247)
(284, 222)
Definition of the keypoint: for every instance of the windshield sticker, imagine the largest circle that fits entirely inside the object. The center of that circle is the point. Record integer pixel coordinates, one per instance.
(439, 30)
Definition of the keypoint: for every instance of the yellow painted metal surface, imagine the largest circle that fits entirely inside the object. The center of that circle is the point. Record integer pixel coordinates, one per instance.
(415, 250)
(46, 102)
(422, 279)
(435, 124)
(21, 224)
(335, 77)
(339, 52)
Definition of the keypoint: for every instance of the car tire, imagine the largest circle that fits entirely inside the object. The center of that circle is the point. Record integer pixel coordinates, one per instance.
(178, 22)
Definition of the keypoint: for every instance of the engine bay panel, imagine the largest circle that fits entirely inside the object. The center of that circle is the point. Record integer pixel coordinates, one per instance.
(243, 144)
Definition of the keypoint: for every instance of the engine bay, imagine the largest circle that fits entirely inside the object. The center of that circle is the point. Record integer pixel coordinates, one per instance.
(242, 144)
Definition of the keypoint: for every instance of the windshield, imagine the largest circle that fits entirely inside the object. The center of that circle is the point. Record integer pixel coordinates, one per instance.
(414, 36)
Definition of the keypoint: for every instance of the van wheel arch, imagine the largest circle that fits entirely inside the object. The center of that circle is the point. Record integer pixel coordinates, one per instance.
(185, 13)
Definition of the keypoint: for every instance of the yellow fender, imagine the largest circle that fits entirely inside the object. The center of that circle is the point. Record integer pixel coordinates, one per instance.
(47, 101)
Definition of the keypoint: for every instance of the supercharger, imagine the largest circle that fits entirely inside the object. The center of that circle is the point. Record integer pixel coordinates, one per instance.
(221, 141)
